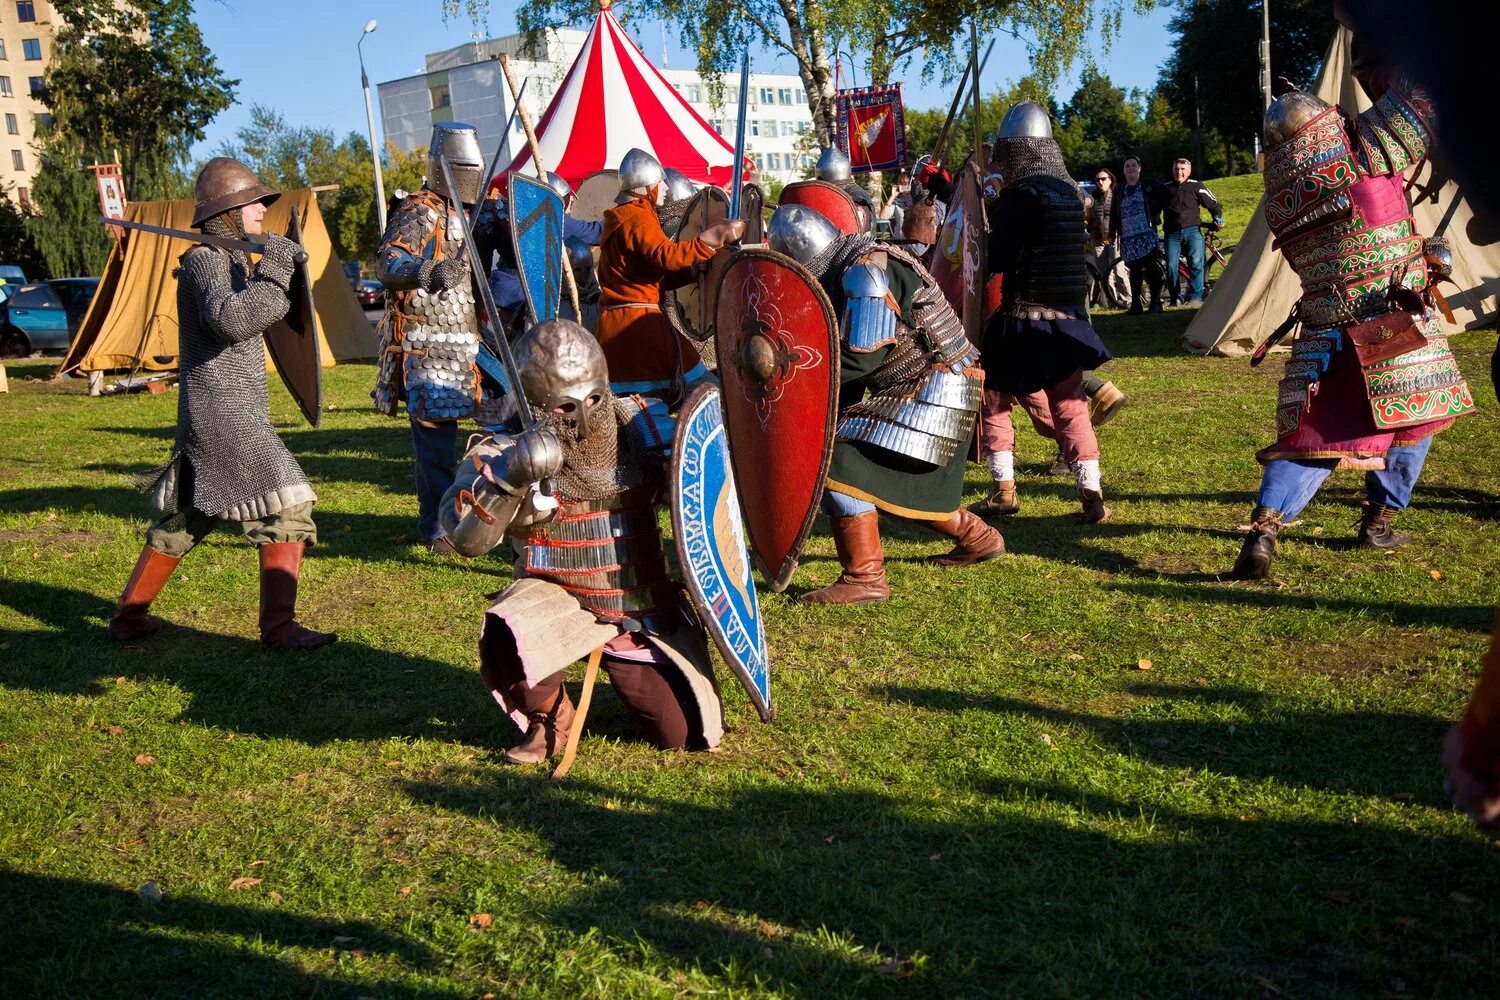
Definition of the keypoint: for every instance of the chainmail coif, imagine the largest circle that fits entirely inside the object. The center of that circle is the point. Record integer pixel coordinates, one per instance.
(828, 267)
(1021, 158)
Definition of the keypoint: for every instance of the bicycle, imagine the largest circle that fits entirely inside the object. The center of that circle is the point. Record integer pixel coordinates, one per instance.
(1214, 252)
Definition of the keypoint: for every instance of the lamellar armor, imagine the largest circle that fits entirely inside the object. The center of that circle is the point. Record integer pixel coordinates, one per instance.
(924, 396)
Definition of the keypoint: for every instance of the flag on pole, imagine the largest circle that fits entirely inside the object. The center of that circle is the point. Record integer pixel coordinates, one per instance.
(872, 128)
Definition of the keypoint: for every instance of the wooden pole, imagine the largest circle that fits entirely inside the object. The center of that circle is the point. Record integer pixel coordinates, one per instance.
(541, 173)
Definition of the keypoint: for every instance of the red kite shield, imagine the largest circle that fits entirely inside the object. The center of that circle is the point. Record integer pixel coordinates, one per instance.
(778, 354)
(828, 200)
(690, 309)
(958, 257)
(293, 341)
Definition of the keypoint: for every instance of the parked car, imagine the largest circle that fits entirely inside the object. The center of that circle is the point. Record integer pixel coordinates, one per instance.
(371, 294)
(11, 274)
(44, 316)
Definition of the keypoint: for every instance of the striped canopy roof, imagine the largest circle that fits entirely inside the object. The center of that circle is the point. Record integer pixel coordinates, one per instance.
(613, 99)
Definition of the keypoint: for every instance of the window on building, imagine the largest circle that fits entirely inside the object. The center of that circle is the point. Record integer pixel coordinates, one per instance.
(784, 95)
(755, 129)
(807, 162)
(37, 84)
(25, 10)
(694, 94)
(768, 129)
(2, 48)
(12, 127)
(16, 161)
(774, 161)
(801, 96)
(31, 48)
(440, 97)
(5, 86)
(767, 95)
(802, 127)
(788, 128)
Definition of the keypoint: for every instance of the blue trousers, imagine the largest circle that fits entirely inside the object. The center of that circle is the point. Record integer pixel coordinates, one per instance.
(1190, 240)
(1289, 484)
(843, 505)
(435, 463)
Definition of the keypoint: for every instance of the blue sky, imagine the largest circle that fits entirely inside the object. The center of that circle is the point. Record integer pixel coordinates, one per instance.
(299, 57)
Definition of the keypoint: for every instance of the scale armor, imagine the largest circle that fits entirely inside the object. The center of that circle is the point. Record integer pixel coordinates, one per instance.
(434, 334)
(924, 398)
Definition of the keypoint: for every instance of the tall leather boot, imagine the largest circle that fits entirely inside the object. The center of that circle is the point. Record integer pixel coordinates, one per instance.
(1059, 466)
(1104, 403)
(1375, 530)
(132, 619)
(280, 566)
(857, 541)
(1254, 562)
(546, 732)
(973, 540)
(1002, 500)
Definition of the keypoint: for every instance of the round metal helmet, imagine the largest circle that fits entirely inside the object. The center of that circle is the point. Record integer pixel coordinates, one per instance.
(1025, 120)
(561, 363)
(834, 166)
(580, 254)
(679, 188)
(460, 144)
(800, 232)
(640, 170)
(563, 188)
(1288, 114)
(225, 183)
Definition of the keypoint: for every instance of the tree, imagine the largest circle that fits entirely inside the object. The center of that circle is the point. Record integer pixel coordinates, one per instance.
(1214, 68)
(15, 237)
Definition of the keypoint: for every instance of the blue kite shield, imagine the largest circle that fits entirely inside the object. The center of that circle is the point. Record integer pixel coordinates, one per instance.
(536, 232)
(710, 537)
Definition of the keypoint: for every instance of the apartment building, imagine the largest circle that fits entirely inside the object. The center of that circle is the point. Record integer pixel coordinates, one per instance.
(26, 28)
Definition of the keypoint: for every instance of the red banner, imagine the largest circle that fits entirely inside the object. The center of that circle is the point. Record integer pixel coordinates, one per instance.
(872, 128)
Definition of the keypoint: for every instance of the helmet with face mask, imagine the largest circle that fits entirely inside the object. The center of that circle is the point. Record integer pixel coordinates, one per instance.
(459, 143)
(565, 378)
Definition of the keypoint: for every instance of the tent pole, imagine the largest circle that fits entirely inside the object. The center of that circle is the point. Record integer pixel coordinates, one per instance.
(541, 172)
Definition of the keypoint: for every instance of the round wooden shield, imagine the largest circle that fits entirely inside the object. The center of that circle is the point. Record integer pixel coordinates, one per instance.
(958, 254)
(829, 200)
(778, 351)
(753, 211)
(690, 308)
(596, 195)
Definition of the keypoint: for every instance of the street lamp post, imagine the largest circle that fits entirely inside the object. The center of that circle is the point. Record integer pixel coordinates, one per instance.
(364, 81)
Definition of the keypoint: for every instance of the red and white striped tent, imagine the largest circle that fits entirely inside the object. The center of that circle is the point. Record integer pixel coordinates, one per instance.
(613, 99)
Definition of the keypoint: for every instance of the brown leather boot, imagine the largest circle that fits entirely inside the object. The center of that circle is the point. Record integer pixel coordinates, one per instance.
(1002, 501)
(1094, 510)
(857, 540)
(1254, 562)
(547, 734)
(132, 619)
(1375, 530)
(974, 541)
(280, 566)
(1059, 466)
(1105, 403)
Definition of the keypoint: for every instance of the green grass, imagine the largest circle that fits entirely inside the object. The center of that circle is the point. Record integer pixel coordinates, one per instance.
(973, 790)
(1239, 197)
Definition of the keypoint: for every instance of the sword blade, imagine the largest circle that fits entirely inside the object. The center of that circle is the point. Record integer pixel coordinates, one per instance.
(507, 357)
(193, 237)
(737, 185)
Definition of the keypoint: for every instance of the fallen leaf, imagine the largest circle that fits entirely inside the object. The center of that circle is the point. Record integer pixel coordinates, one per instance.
(275, 896)
(481, 920)
(145, 759)
(256, 864)
(1460, 898)
(119, 682)
(1075, 656)
(1436, 574)
(1143, 664)
(1267, 985)
(1341, 896)
(1047, 739)
(113, 730)
(244, 882)
(405, 890)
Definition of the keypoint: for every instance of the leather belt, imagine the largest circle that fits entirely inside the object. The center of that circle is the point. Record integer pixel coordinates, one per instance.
(648, 306)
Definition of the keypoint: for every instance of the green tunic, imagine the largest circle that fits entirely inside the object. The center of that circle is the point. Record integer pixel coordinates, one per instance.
(897, 484)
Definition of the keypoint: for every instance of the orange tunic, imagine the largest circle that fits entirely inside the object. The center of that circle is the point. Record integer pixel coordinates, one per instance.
(636, 262)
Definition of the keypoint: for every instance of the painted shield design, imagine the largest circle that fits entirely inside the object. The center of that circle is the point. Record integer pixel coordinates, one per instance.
(778, 351)
(753, 211)
(958, 255)
(536, 232)
(690, 309)
(829, 200)
(595, 195)
(293, 340)
(710, 537)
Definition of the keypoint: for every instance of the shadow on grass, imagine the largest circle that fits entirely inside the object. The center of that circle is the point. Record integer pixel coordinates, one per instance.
(1000, 886)
(87, 939)
(346, 691)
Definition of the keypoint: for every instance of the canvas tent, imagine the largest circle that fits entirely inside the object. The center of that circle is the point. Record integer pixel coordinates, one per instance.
(132, 322)
(1258, 288)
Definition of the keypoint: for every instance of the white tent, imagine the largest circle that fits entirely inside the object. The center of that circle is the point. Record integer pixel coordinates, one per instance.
(1258, 288)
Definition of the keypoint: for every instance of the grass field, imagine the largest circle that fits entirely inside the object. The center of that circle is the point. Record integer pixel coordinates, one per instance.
(978, 789)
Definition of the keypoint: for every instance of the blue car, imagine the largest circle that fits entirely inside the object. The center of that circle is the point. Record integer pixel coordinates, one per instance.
(44, 316)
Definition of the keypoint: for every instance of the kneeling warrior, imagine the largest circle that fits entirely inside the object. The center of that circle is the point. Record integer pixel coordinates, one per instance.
(902, 449)
(228, 464)
(1371, 379)
(589, 563)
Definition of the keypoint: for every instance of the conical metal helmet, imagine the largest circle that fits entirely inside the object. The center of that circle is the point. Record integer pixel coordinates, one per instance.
(640, 170)
(225, 183)
(800, 232)
(679, 188)
(1288, 114)
(834, 166)
(1025, 120)
(460, 144)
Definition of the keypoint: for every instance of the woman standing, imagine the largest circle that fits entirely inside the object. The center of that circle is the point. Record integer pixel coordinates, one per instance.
(1133, 221)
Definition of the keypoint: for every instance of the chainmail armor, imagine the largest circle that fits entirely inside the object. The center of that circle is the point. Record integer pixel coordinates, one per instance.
(606, 462)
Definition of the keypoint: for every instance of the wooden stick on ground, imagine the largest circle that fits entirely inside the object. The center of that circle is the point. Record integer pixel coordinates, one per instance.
(575, 732)
(541, 173)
